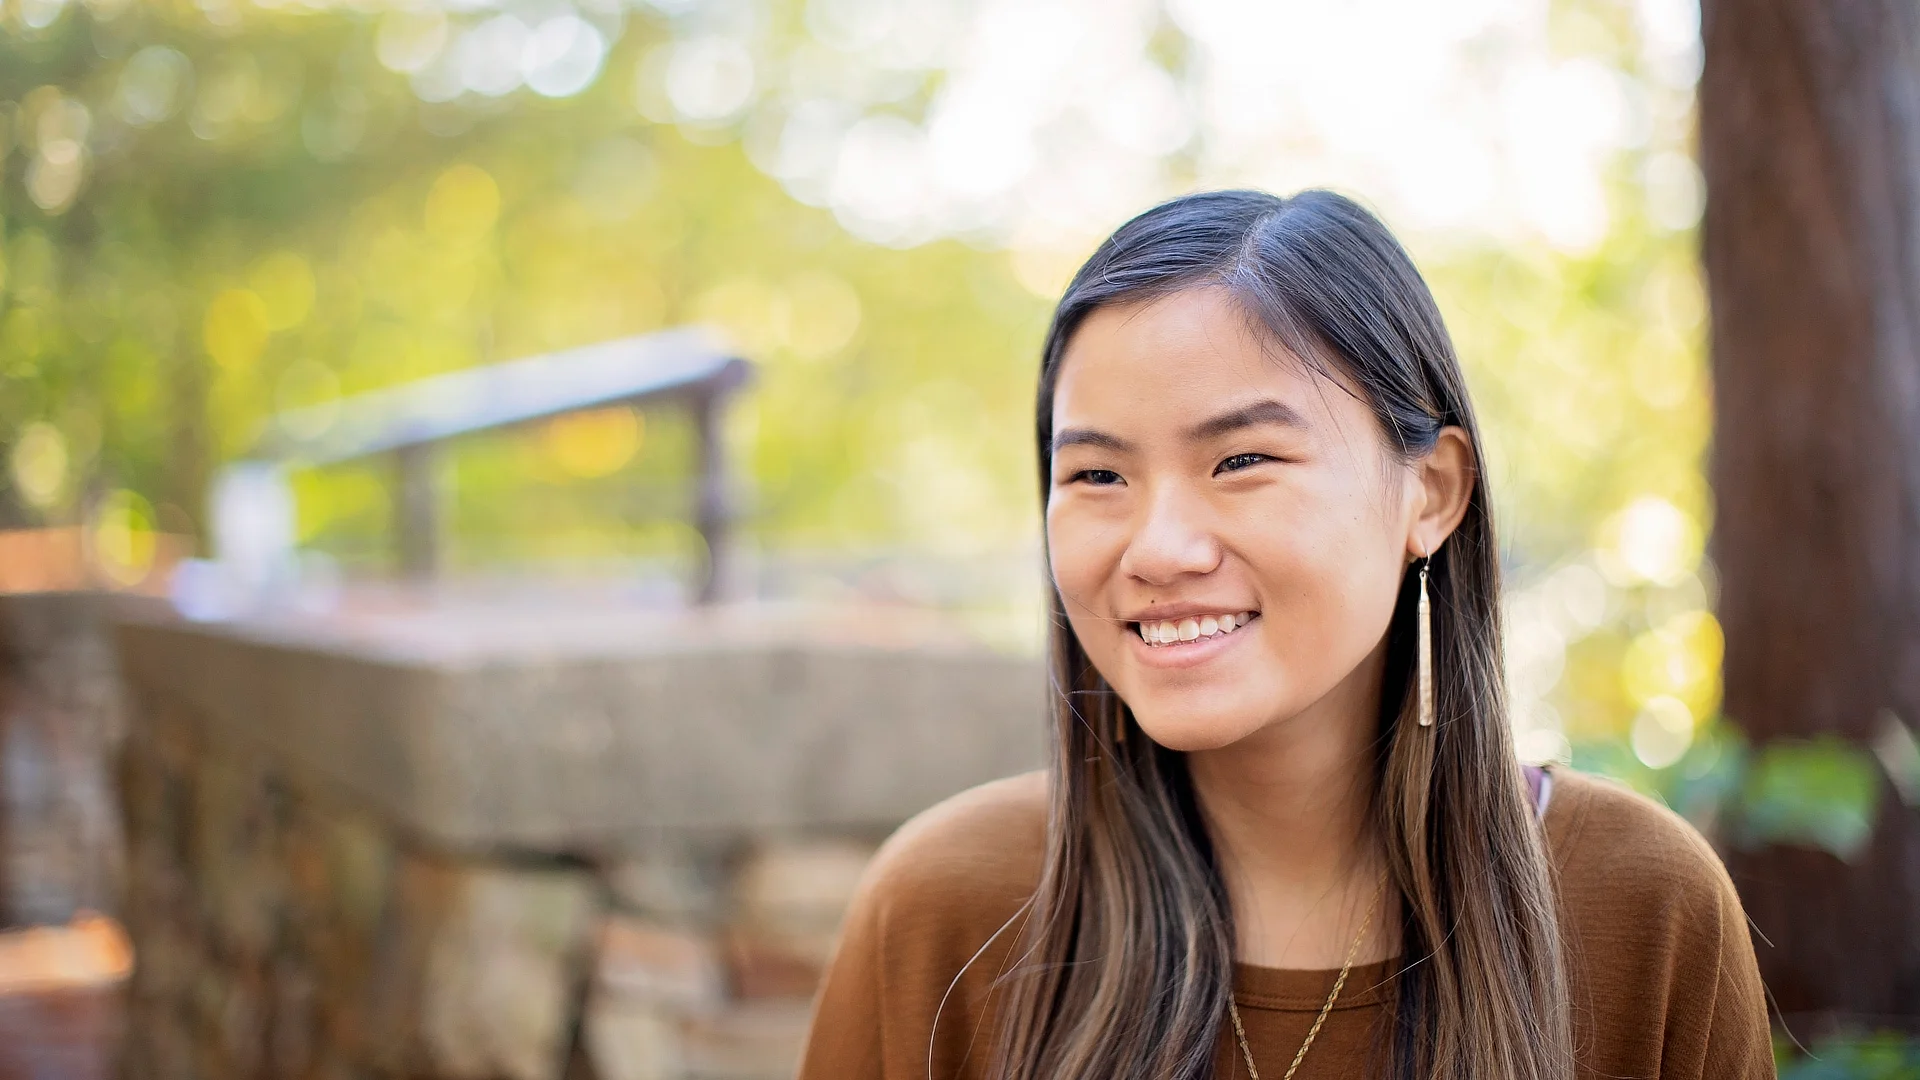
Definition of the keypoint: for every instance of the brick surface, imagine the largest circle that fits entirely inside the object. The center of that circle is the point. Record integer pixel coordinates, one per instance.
(631, 1039)
(788, 900)
(800, 885)
(61, 720)
(752, 1041)
(659, 965)
(681, 882)
(59, 1034)
(498, 949)
(346, 862)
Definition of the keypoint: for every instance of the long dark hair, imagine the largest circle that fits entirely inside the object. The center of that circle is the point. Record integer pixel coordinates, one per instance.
(1127, 952)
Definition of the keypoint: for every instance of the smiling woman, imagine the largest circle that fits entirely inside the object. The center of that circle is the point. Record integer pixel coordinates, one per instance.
(1198, 473)
(1284, 826)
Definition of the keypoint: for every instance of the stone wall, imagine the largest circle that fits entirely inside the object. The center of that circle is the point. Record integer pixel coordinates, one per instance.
(290, 921)
(60, 722)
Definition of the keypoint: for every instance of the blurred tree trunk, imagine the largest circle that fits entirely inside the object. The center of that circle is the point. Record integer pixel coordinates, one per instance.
(1810, 144)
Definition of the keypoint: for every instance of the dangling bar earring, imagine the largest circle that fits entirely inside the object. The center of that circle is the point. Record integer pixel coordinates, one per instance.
(1426, 648)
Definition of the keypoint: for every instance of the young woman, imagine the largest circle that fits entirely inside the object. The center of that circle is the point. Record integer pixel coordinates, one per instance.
(1284, 834)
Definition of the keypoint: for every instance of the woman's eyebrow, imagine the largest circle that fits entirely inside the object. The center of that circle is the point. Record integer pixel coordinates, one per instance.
(1267, 411)
(1090, 437)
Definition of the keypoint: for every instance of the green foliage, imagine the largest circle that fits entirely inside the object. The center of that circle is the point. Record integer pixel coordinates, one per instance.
(1704, 785)
(1821, 793)
(1873, 1057)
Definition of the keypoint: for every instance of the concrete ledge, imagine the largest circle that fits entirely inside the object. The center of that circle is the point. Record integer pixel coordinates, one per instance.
(603, 731)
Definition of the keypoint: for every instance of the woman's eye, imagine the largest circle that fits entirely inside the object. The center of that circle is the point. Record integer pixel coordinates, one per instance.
(1097, 477)
(1240, 461)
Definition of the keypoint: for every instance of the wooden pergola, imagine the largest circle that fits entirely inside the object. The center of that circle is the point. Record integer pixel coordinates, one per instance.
(688, 366)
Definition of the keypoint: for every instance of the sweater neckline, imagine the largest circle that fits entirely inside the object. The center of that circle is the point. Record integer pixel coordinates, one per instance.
(1368, 985)
(1299, 990)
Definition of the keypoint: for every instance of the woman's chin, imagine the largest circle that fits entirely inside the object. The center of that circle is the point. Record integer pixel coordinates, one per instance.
(1194, 732)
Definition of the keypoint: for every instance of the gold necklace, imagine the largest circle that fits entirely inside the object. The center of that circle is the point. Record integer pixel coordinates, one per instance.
(1234, 1010)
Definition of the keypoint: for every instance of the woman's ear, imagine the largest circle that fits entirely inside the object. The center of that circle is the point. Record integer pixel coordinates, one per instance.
(1445, 481)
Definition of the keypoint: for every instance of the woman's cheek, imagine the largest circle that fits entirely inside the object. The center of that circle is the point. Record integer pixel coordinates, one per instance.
(1072, 574)
(1081, 542)
(1061, 551)
(1356, 605)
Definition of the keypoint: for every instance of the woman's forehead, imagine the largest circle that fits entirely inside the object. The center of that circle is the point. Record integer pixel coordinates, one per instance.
(1186, 353)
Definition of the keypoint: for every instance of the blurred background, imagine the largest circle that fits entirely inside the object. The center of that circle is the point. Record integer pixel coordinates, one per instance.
(232, 231)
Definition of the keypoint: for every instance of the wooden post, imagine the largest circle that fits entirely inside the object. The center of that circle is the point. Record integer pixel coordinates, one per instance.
(1810, 145)
(416, 512)
(711, 512)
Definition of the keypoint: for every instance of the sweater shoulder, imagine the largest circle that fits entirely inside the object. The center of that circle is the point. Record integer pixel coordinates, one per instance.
(1619, 854)
(972, 858)
(930, 930)
(1655, 937)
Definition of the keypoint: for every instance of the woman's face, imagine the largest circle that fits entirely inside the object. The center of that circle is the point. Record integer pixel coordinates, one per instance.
(1228, 530)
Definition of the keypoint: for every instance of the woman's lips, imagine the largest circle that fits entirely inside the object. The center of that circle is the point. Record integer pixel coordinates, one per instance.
(1181, 653)
(1165, 633)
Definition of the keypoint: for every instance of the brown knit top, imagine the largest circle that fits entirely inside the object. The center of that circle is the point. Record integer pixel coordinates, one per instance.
(1662, 970)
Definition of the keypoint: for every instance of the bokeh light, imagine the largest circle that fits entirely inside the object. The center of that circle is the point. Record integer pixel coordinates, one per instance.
(39, 463)
(596, 443)
(236, 328)
(1653, 540)
(562, 57)
(284, 283)
(122, 537)
(463, 204)
(709, 79)
(1662, 731)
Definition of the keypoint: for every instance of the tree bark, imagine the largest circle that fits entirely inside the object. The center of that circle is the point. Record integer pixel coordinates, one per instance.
(1810, 145)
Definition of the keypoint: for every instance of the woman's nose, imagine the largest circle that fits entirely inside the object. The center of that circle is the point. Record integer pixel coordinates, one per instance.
(1173, 538)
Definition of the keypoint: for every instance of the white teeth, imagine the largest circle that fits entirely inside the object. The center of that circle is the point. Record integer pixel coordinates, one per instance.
(1169, 632)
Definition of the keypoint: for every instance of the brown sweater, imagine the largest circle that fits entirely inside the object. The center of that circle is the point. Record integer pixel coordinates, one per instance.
(1663, 975)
